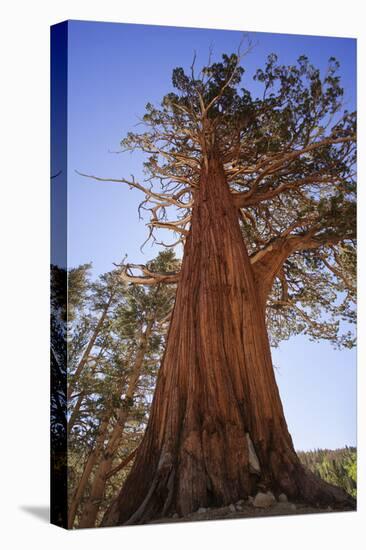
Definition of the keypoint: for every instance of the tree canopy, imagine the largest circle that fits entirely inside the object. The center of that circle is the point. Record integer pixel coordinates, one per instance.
(290, 159)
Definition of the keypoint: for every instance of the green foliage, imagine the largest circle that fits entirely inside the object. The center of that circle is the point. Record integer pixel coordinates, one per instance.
(312, 194)
(321, 295)
(337, 467)
(78, 286)
(99, 392)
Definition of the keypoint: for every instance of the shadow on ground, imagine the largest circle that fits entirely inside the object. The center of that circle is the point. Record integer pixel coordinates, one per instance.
(40, 512)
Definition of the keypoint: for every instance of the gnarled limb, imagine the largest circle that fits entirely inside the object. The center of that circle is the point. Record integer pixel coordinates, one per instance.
(149, 277)
(164, 198)
(177, 226)
(268, 262)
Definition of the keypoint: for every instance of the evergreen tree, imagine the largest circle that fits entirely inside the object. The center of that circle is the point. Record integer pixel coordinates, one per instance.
(264, 189)
(338, 467)
(111, 396)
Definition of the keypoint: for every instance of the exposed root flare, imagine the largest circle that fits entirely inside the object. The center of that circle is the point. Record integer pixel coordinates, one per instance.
(216, 385)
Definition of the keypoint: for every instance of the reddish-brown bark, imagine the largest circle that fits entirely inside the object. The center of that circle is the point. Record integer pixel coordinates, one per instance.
(216, 384)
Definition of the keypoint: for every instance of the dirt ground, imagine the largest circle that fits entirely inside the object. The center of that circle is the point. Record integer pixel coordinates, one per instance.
(247, 510)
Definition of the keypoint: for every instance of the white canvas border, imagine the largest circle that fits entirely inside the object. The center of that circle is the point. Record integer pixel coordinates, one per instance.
(24, 272)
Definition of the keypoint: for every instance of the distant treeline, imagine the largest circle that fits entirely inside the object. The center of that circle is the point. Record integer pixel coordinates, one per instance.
(338, 467)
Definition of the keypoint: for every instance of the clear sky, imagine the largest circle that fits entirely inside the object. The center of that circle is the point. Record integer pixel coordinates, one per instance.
(113, 71)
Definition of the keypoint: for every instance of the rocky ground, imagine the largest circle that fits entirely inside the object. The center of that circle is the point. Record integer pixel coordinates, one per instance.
(262, 505)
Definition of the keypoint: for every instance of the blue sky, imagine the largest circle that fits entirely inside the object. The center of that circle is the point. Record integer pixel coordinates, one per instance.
(114, 70)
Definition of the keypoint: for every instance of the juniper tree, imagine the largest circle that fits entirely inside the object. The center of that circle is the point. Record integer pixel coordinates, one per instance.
(262, 190)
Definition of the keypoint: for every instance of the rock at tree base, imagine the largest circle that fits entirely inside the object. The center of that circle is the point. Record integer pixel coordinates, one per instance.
(264, 500)
(253, 459)
(286, 506)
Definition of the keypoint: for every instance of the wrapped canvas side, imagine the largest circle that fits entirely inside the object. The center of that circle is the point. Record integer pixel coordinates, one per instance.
(58, 346)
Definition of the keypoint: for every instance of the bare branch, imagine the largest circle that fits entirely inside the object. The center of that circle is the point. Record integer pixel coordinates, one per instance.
(148, 278)
(164, 198)
(177, 226)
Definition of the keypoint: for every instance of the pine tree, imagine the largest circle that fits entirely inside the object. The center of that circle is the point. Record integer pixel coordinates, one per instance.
(124, 353)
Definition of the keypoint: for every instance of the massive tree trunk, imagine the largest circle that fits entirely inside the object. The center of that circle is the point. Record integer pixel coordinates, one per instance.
(216, 411)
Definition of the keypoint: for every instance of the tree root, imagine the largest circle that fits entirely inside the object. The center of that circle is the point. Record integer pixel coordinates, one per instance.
(314, 490)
